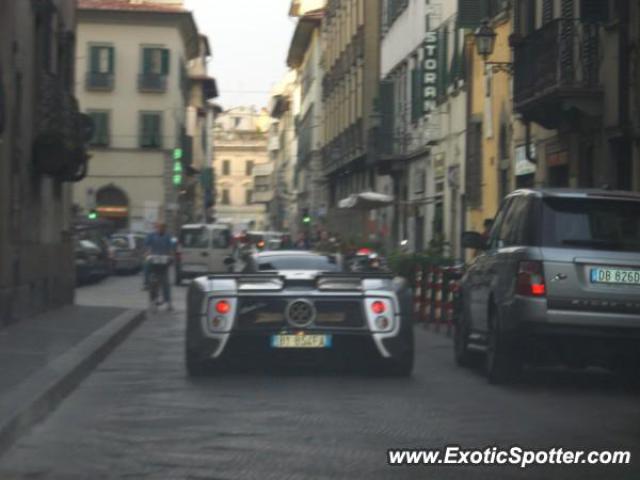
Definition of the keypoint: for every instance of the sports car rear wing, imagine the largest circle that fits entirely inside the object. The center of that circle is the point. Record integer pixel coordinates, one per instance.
(329, 281)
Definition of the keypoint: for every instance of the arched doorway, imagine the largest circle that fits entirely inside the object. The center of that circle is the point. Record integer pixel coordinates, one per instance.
(112, 203)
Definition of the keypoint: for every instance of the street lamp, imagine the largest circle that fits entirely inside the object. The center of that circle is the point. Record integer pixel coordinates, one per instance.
(485, 39)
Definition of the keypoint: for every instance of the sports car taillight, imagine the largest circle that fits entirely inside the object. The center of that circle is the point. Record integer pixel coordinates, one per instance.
(380, 314)
(530, 279)
(378, 307)
(221, 314)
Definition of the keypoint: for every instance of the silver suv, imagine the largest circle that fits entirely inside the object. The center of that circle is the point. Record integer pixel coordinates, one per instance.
(557, 279)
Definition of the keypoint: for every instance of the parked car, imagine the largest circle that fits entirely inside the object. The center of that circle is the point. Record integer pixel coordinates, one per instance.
(202, 249)
(557, 280)
(128, 251)
(91, 262)
(300, 306)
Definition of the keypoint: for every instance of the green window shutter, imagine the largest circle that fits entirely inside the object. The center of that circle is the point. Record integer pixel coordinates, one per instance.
(454, 74)
(165, 61)
(416, 94)
(387, 89)
(106, 132)
(94, 59)
(95, 120)
(111, 59)
(145, 130)
(443, 56)
(156, 130)
(146, 60)
(471, 13)
(100, 128)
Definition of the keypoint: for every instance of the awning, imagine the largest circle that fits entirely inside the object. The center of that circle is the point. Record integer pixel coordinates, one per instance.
(366, 201)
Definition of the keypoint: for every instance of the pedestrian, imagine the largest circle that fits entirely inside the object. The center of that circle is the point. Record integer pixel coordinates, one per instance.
(303, 242)
(286, 243)
(325, 245)
(487, 225)
(161, 243)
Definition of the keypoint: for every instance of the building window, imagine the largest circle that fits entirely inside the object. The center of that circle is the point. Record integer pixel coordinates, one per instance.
(100, 68)
(101, 59)
(151, 130)
(226, 167)
(225, 197)
(101, 128)
(249, 168)
(438, 219)
(155, 61)
(248, 198)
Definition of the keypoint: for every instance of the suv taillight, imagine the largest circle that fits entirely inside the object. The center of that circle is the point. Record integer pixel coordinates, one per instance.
(530, 280)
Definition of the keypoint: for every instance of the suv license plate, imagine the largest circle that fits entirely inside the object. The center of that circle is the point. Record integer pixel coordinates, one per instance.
(618, 276)
(301, 341)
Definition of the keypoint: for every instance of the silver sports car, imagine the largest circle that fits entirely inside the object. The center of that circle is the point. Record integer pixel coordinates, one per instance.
(299, 306)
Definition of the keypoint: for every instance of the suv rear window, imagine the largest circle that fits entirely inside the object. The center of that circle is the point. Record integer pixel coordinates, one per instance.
(591, 224)
(194, 238)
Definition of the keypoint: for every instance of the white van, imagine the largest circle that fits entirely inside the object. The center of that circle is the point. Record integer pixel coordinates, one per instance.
(202, 249)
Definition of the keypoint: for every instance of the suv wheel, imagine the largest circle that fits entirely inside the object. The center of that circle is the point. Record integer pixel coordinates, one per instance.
(461, 351)
(502, 360)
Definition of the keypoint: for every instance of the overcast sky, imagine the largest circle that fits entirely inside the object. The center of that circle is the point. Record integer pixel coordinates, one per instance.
(250, 40)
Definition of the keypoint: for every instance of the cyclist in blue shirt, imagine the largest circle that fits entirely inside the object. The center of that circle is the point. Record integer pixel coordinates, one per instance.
(161, 243)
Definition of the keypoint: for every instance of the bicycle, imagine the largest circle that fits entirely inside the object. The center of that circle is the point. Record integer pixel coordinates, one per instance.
(158, 267)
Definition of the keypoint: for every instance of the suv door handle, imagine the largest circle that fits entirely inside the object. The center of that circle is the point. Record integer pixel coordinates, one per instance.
(204, 254)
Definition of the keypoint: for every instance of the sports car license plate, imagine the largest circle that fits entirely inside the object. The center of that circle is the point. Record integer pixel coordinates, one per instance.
(621, 276)
(301, 341)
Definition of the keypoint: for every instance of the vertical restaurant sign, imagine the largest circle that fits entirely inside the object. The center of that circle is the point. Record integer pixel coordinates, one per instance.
(430, 71)
(433, 18)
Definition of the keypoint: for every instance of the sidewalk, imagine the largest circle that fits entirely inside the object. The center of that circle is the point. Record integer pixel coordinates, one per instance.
(44, 357)
(32, 343)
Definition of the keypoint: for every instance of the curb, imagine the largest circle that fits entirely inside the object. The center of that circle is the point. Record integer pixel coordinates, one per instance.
(36, 397)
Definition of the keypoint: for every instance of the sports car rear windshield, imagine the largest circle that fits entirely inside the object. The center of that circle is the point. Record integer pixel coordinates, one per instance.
(299, 262)
(591, 224)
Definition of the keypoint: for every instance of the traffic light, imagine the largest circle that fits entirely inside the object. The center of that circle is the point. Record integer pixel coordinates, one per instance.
(177, 167)
(306, 218)
(93, 214)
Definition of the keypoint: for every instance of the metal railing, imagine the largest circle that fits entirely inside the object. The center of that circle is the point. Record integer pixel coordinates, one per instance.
(152, 82)
(99, 81)
(563, 54)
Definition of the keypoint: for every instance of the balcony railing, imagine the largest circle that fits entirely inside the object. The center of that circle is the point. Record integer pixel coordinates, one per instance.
(561, 58)
(99, 81)
(152, 82)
